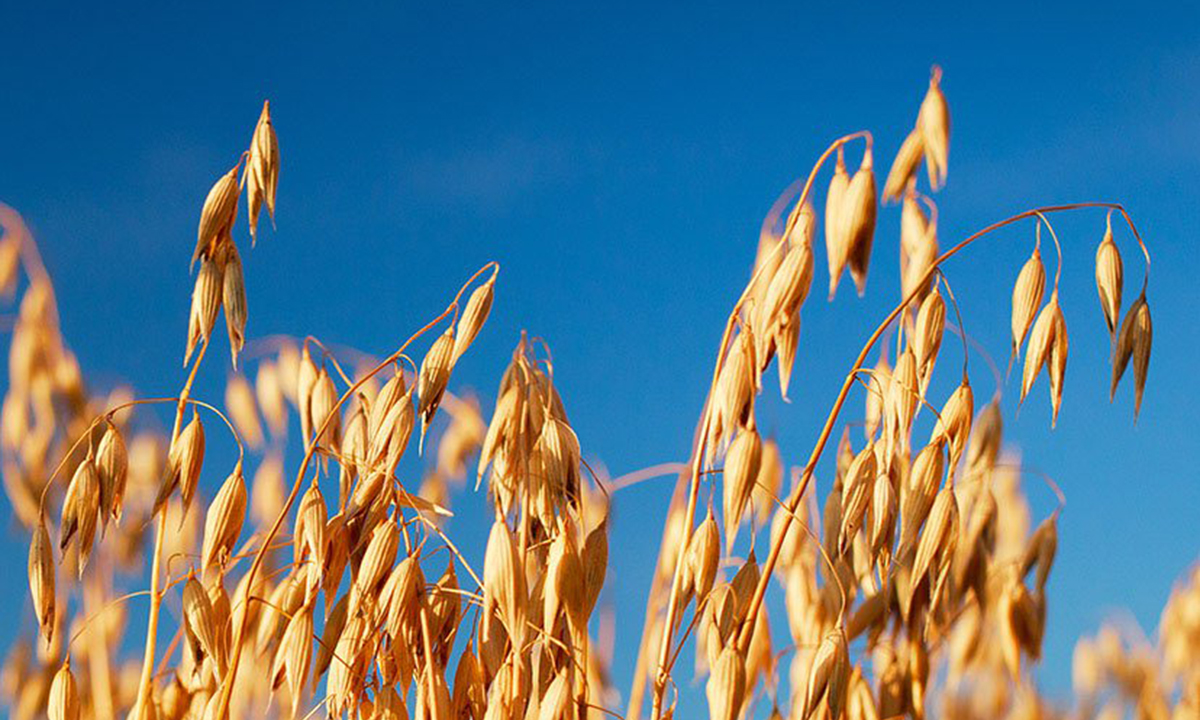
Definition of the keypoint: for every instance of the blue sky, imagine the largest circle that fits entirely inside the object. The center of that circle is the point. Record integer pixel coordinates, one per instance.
(617, 159)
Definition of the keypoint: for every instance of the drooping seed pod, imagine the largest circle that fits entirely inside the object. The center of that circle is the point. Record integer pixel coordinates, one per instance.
(433, 378)
(185, 459)
(1041, 550)
(787, 340)
(233, 297)
(81, 508)
(908, 157)
(858, 221)
(1041, 342)
(790, 285)
(878, 389)
(927, 335)
(1134, 341)
(1109, 278)
(223, 523)
(922, 489)
(262, 169)
(474, 315)
(726, 689)
(64, 695)
(704, 554)
(206, 303)
(1027, 298)
(938, 537)
(200, 623)
(268, 390)
(218, 215)
(883, 515)
(355, 447)
(1056, 363)
(335, 624)
(41, 579)
(856, 496)
(984, 445)
(112, 468)
(323, 412)
(933, 120)
(243, 410)
(954, 422)
(837, 244)
(828, 675)
(388, 396)
(742, 462)
(376, 562)
(564, 589)
(904, 392)
(769, 483)
(306, 381)
(309, 536)
(595, 565)
(401, 594)
(294, 656)
(503, 581)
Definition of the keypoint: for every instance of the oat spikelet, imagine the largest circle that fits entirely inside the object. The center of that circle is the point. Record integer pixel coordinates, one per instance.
(309, 537)
(41, 579)
(81, 508)
(908, 157)
(206, 302)
(1041, 341)
(953, 425)
(294, 656)
(857, 487)
(1134, 341)
(1056, 363)
(828, 675)
(218, 215)
(112, 467)
(184, 462)
(726, 689)
(837, 244)
(933, 120)
(503, 582)
(268, 390)
(243, 411)
(474, 315)
(200, 623)
(742, 462)
(223, 524)
(704, 552)
(1027, 298)
(927, 336)
(433, 378)
(64, 695)
(857, 218)
(1109, 278)
(262, 169)
(233, 298)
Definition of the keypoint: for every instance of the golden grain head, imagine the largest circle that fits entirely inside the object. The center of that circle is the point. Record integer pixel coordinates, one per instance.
(1109, 278)
(933, 121)
(1027, 298)
(837, 243)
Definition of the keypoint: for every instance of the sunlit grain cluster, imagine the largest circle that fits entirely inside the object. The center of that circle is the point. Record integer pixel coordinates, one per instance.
(914, 583)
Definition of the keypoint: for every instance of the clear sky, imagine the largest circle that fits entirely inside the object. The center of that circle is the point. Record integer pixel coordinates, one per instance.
(617, 159)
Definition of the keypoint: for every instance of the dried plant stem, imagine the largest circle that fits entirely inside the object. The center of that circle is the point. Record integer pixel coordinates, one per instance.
(145, 687)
